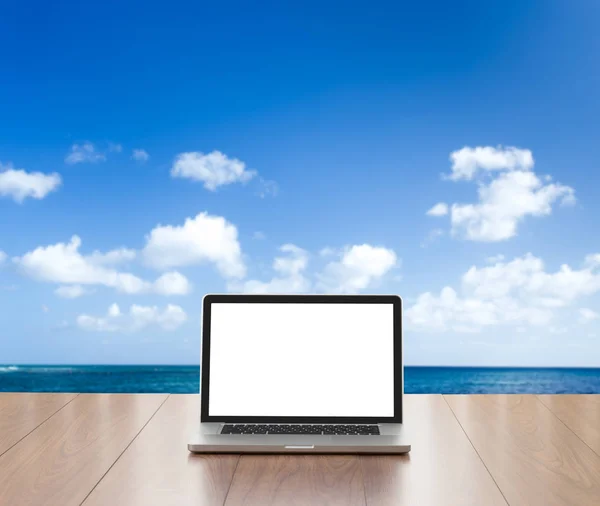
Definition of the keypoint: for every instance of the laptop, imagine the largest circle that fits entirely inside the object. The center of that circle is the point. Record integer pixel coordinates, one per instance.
(301, 374)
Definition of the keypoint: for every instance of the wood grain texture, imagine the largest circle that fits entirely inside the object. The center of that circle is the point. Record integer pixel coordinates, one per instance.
(64, 458)
(442, 468)
(157, 469)
(539, 451)
(534, 458)
(287, 480)
(22, 413)
(581, 413)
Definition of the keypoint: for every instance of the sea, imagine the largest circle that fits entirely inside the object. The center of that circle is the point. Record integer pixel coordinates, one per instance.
(186, 379)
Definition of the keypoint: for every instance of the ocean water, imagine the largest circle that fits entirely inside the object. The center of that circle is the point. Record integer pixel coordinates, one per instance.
(186, 379)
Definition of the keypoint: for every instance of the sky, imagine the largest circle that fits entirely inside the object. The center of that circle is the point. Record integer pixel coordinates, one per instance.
(447, 153)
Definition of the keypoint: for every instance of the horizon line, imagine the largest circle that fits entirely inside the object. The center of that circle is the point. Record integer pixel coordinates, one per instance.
(405, 366)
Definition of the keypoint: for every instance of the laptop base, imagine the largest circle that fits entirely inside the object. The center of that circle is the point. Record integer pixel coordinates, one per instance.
(387, 443)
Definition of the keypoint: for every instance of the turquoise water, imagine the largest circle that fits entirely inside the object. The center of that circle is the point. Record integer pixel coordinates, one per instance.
(186, 379)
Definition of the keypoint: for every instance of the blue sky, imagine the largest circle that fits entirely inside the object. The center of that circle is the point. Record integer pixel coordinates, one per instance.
(305, 145)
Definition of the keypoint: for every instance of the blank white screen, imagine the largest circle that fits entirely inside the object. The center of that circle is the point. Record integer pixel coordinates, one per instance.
(329, 360)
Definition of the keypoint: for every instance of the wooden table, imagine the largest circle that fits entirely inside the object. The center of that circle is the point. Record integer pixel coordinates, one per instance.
(130, 450)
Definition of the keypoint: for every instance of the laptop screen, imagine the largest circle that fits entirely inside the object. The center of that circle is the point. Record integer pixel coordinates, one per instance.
(301, 360)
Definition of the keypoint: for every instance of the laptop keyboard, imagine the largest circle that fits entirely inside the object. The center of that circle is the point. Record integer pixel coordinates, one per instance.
(330, 430)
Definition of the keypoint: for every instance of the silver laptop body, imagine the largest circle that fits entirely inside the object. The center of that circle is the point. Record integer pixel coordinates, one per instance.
(301, 374)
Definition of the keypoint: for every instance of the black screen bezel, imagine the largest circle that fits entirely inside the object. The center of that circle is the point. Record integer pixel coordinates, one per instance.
(302, 299)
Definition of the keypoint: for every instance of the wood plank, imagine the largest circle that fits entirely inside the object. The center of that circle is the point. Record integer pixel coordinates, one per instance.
(297, 480)
(64, 458)
(442, 468)
(533, 457)
(22, 413)
(157, 469)
(581, 413)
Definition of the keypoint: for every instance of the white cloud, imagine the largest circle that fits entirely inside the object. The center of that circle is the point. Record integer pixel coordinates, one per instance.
(45, 308)
(587, 315)
(516, 293)
(290, 276)
(358, 267)
(138, 318)
(113, 257)
(140, 155)
(70, 291)
(292, 264)
(495, 259)
(504, 203)
(115, 148)
(467, 162)
(213, 169)
(510, 193)
(170, 318)
(97, 324)
(593, 260)
(172, 283)
(62, 263)
(86, 152)
(19, 184)
(449, 310)
(3, 257)
(204, 238)
(259, 236)
(440, 209)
